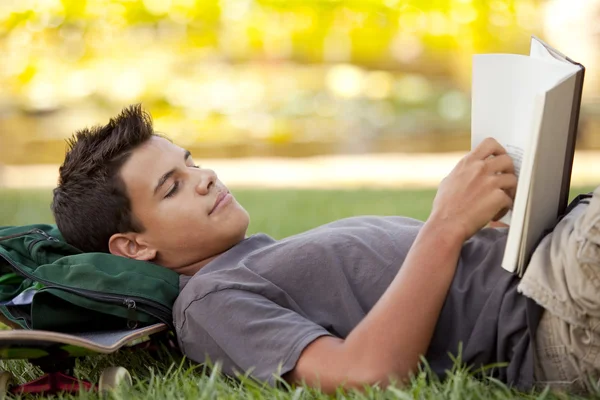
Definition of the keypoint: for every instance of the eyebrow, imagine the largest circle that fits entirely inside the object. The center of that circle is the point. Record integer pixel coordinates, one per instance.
(170, 173)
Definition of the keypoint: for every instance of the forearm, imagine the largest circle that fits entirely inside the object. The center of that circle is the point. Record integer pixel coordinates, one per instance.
(389, 341)
(398, 329)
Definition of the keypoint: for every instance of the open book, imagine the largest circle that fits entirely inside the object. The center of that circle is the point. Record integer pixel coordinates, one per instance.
(530, 104)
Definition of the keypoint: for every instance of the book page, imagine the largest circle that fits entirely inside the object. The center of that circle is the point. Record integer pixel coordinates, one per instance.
(546, 182)
(521, 205)
(503, 99)
(539, 50)
(539, 187)
(522, 259)
(516, 153)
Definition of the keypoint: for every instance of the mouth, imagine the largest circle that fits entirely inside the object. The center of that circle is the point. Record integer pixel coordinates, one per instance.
(223, 198)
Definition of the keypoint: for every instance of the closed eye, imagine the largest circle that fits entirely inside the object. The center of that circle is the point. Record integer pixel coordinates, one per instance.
(173, 190)
(175, 187)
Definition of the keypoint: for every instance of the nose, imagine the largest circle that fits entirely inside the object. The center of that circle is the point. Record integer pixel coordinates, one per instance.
(208, 177)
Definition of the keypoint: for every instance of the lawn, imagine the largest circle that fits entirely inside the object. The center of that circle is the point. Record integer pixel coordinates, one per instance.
(279, 213)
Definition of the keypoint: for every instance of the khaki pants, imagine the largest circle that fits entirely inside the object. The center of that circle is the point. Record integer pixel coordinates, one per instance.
(564, 278)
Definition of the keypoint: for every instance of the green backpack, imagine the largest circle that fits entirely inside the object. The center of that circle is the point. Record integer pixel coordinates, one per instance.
(47, 284)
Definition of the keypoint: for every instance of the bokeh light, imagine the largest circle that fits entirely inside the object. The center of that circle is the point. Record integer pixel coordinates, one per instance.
(233, 78)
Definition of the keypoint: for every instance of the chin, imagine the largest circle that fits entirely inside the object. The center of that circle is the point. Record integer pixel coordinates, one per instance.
(242, 226)
(241, 217)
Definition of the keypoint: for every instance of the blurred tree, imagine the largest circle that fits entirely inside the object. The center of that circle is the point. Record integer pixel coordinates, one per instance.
(248, 71)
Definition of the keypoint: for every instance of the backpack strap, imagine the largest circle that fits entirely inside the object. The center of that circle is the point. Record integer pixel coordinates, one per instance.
(581, 198)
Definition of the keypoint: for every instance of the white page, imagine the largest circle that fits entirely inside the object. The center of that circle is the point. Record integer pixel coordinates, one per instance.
(538, 188)
(503, 99)
(512, 250)
(549, 163)
(522, 259)
(538, 50)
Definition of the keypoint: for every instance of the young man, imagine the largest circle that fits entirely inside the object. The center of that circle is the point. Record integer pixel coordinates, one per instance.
(354, 302)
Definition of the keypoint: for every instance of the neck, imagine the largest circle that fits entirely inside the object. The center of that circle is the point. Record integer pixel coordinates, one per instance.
(191, 269)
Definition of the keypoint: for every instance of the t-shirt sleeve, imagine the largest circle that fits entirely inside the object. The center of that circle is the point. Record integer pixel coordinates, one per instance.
(246, 333)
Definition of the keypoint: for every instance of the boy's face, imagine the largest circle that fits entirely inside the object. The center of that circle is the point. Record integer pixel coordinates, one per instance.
(189, 216)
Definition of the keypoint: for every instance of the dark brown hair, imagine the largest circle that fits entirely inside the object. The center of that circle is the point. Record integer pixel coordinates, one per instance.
(90, 203)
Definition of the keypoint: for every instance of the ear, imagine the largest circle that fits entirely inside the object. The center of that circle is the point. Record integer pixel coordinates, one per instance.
(128, 245)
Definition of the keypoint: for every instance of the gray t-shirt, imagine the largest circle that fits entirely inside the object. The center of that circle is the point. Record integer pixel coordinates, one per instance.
(257, 306)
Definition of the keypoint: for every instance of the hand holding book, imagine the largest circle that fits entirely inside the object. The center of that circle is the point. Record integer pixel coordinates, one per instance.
(530, 104)
(478, 189)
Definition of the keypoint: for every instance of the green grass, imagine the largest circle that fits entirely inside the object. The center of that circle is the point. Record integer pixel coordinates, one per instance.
(279, 213)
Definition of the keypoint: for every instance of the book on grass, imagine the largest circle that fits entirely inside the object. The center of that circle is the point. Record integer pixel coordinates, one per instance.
(530, 104)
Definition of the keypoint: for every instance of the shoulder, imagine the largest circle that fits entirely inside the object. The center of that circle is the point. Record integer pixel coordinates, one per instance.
(204, 287)
(245, 331)
(197, 326)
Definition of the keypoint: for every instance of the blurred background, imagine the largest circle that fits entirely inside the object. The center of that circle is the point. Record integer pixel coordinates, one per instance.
(273, 85)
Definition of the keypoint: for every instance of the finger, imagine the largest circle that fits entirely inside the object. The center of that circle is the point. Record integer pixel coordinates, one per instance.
(500, 164)
(488, 147)
(507, 182)
(501, 214)
(512, 192)
(506, 205)
(502, 200)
